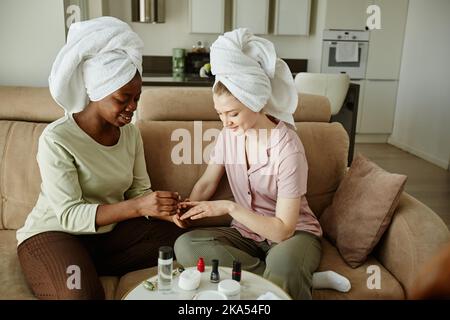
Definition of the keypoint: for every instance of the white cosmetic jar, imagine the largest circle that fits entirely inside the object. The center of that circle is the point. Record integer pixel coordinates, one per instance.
(210, 295)
(189, 279)
(231, 288)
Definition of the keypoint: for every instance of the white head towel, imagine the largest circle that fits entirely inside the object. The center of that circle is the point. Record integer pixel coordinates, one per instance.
(248, 66)
(101, 55)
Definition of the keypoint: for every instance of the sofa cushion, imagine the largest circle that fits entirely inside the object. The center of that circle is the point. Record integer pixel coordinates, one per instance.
(390, 288)
(415, 234)
(177, 104)
(312, 108)
(13, 283)
(177, 165)
(191, 104)
(20, 179)
(28, 104)
(326, 149)
(362, 209)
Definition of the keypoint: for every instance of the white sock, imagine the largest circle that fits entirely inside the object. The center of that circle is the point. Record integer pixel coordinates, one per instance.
(330, 280)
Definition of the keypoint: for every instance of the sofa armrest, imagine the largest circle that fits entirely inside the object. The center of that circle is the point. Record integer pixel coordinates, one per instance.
(416, 233)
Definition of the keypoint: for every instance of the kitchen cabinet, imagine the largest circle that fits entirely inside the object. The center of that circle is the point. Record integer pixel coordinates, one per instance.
(251, 14)
(346, 14)
(386, 44)
(292, 17)
(378, 107)
(207, 16)
(361, 84)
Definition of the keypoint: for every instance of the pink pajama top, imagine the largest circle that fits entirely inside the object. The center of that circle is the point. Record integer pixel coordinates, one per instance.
(280, 171)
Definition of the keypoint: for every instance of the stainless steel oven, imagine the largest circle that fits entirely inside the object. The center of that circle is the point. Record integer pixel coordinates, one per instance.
(345, 51)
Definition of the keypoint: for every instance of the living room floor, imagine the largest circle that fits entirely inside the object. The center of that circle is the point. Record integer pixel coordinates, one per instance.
(427, 182)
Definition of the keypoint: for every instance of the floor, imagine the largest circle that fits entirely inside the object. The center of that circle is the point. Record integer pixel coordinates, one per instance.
(427, 182)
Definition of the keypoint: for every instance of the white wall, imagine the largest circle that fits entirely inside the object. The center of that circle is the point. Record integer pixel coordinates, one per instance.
(31, 34)
(422, 118)
(95, 8)
(159, 39)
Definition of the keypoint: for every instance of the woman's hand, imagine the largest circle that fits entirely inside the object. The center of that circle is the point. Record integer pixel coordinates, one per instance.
(183, 224)
(203, 209)
(182, 209)
(158, 203)
(183, 206)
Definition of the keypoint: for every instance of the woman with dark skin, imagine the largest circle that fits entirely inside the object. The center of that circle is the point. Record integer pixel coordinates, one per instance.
(102, 120)
(96, 213)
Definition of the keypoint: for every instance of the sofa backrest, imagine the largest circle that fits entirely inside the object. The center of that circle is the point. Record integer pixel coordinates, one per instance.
(175, 118)
(30, 104)
(24, 113)
(190, 104)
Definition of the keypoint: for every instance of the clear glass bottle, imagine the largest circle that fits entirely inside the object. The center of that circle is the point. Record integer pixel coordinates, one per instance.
(165, 268)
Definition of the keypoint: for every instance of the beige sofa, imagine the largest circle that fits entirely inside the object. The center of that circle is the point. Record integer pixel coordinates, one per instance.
(414, 235)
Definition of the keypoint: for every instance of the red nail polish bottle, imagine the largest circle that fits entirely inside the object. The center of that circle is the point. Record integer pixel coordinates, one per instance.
(236, 273)
(201, 265)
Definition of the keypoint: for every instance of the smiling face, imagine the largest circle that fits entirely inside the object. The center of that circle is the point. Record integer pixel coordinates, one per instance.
(233, 114)
(118, 107)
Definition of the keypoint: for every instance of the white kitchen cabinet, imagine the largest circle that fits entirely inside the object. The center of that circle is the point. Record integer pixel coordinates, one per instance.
(207, 16)
(360, 102)
(292, 17)
(346, 14)
(251, 14)
(378, 107)
(386, 44)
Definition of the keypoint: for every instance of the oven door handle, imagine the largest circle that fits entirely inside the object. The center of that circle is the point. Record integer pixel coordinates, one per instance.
(333, 44)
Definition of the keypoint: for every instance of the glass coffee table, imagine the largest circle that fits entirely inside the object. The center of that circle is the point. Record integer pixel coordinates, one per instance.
(252, 287)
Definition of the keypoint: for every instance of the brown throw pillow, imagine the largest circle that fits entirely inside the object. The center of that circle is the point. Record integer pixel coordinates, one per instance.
(362, 209)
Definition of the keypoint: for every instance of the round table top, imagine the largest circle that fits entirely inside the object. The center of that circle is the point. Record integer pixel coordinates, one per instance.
(252, 287)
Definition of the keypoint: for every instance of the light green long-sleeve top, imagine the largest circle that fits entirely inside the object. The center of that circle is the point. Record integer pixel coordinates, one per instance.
(78, 174)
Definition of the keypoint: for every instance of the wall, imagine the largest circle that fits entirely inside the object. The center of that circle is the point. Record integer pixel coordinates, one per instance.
(159, 39)
(31, 34)
(96, 8)
(422, 118)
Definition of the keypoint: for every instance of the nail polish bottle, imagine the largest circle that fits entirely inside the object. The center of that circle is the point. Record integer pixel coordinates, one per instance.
(215, 276)
(236, 273)
(165, 268)
(201, 265)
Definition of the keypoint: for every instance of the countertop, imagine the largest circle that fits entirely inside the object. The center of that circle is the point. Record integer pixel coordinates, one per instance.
(158, 72)
(189, 80)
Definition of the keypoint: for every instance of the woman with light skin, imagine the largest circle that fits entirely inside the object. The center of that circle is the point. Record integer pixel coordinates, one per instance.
(273, 231)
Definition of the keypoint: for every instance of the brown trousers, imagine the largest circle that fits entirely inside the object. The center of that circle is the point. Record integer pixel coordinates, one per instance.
(51, 261)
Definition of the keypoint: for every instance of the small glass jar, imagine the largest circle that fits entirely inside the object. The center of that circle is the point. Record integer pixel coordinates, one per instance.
(165, 268)
(178, 62)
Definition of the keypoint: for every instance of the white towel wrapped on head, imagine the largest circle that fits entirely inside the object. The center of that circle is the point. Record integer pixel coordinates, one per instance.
(101, 55)
(248, 66)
